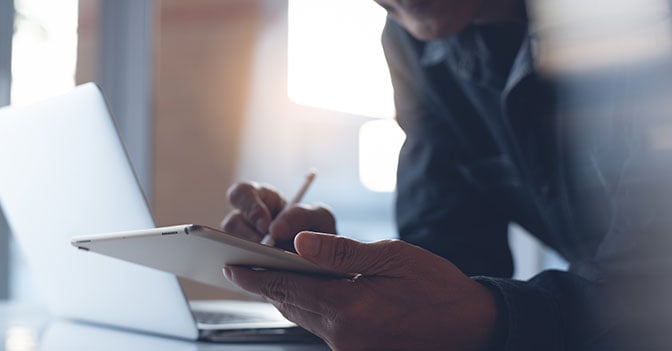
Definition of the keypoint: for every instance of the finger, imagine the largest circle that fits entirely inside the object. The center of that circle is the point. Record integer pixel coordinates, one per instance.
(311, 293)
(272, 199)
(302, 217)
(345, 255)
(245, 197)
(310, 321)
(235, 224)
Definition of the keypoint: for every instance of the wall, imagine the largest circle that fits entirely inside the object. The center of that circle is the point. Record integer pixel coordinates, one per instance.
(202, 55)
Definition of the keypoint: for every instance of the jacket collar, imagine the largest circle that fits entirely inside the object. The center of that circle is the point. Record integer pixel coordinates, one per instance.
(469, 56)
(523, 65)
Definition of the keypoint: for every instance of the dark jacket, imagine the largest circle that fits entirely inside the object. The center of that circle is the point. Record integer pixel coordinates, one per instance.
(489, 142)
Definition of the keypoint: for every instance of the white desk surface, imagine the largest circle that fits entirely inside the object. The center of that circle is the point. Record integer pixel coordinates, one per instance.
(29, 328)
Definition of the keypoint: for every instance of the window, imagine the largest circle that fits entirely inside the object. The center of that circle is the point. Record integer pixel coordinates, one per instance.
(44, 29)
(336, 62)
(44, 55)
(335, 57)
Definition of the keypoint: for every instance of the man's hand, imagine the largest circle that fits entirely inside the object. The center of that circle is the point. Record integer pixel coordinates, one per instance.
(260, 209)
(402, 298)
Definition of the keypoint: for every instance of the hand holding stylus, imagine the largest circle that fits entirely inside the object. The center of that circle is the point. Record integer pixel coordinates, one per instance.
(268, 238)
(261, 213)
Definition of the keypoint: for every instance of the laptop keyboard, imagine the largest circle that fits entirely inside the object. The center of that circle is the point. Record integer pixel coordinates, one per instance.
(224, 318)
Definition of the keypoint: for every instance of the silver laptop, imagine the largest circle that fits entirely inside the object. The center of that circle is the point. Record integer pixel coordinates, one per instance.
(64, 173)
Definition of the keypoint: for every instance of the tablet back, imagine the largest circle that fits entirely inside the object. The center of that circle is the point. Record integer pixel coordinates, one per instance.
(65, 172)
(195, 252)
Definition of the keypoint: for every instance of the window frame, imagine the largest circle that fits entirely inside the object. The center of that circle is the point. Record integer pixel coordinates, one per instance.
(125, 75)
(6, 35)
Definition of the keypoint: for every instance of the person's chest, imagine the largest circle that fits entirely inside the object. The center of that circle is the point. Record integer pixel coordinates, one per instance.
(513, 157)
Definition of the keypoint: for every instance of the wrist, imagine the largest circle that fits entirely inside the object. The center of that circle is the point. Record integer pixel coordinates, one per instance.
(473, 323)
(497, 328)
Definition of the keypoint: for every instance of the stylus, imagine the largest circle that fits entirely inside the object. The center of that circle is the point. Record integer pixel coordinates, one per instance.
(268, 239)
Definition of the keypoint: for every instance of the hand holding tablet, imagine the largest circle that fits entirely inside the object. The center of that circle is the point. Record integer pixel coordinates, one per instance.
(195, 252)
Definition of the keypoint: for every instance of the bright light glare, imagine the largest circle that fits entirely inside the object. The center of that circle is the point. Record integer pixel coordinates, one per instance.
(20, 339)
(336, 60)
(379, 145)
(44, 49)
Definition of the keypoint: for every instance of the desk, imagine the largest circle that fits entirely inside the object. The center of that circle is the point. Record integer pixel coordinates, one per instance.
(29, 328)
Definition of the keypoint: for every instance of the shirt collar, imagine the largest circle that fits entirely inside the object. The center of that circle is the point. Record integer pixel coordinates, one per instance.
(435, 51)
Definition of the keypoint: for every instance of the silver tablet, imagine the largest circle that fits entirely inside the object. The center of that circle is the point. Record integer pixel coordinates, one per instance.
(193, 251)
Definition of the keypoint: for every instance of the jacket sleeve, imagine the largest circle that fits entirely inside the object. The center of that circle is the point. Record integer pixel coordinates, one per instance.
(534, 314)
(436, 207)
(617, 297)
(558, 311)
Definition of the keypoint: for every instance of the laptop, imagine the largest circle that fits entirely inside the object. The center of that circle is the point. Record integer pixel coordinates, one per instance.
(66, 335)
(65, 172)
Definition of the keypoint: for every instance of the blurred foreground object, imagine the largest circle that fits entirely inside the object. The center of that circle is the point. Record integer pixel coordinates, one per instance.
(611, 63)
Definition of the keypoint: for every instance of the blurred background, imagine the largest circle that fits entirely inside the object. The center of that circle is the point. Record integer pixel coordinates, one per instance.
(208, 92)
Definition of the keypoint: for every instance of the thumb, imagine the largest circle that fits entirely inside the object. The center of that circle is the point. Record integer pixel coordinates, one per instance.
(345, 255)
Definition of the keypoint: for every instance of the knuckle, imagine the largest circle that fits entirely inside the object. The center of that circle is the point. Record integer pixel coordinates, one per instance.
(393, 255)
(341, 254)
(299, 211)
(229, 223)
(276, 289)
(323, 210)
(326, 218)
(239, 191)
(295, 218)
(310, 217)
(390, 247)
(395, 246)
(271, 197)
(255, 211)
(281, 230)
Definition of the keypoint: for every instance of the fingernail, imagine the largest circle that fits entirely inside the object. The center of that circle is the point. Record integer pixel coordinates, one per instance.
(308, 245)
(228, 274)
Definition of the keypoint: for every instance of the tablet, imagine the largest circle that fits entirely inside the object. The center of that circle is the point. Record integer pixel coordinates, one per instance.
(194, 251)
